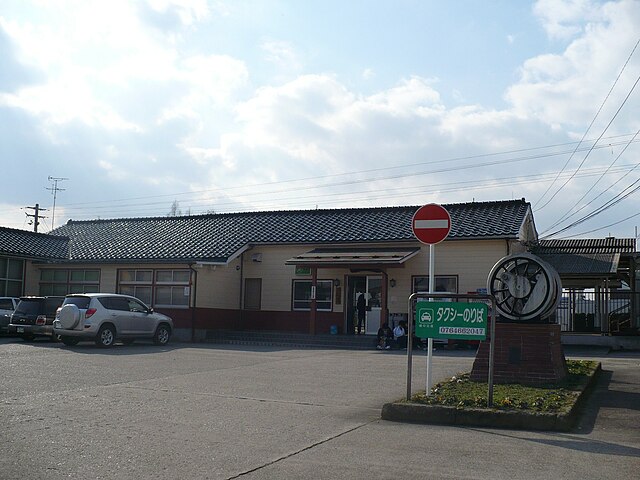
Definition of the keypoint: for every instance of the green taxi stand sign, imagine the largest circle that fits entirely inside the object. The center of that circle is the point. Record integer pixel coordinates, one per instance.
(451, 320)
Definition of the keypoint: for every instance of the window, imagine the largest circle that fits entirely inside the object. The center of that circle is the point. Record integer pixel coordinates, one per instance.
(302, 295)
(60, 281)
(166, 287)
(252, 293)
(443, 284)
(11, 277)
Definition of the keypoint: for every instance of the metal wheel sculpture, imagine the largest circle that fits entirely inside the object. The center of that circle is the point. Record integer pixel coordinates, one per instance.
(525, 287)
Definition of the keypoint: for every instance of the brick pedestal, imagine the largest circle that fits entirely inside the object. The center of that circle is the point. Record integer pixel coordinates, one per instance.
(529, 354)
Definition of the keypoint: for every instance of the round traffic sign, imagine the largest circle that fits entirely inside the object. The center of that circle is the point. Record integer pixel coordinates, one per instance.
(431, 223)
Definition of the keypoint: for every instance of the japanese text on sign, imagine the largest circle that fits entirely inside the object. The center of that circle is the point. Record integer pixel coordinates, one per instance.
(453, 320)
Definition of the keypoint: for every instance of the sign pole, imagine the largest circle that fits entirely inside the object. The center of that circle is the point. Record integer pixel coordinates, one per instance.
(409, 334)
(431, 224)
(432, 283)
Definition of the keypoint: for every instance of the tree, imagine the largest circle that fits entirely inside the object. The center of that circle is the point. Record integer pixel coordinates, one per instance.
(175, 210)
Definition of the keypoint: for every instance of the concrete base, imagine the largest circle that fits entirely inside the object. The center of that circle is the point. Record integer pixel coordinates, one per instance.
(598, 340)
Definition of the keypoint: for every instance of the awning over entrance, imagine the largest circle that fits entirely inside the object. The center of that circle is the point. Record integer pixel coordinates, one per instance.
(354, 257)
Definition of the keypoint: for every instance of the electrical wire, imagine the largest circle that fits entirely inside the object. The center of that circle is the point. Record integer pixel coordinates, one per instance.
(587, 131)
(612, 202)
(566, 216)
(591, 149)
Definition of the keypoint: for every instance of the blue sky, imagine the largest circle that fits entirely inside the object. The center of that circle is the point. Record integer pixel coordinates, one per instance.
(262, 105)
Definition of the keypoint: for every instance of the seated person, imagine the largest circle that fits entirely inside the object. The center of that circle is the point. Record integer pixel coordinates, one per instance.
(384, 338)
(400, 335)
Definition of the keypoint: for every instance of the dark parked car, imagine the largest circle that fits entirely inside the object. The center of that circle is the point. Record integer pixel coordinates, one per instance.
(34, 317)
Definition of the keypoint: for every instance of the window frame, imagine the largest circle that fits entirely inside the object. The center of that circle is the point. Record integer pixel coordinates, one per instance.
(328, 285)
(136, 282)
(62, 283)
(414, 278)
(11, 286)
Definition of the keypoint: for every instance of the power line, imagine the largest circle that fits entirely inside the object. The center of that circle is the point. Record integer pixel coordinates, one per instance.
(353, 196)
(606, 206)
(368, 171)
(70, 208)
(591, 149)
(589, 127)
(605, 227)
(566, 216)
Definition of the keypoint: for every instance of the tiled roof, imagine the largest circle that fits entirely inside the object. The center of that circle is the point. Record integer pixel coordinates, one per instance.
(21, 243)
(587, 246)
(217, 237)
(587, 264)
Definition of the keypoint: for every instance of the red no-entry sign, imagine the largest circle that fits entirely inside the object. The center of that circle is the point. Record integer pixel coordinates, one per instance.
(431, 223)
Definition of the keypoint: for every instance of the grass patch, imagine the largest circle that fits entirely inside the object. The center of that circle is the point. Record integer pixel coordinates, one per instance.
(461, 392)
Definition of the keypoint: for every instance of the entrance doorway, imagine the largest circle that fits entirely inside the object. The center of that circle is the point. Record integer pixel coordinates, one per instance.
(371, 287)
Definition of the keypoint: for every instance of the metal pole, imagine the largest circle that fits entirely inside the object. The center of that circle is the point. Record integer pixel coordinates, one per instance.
(432, 297)
(409, 332)
(492, 344)
(432, 289)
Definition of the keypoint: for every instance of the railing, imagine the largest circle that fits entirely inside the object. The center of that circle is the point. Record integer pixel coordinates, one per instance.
(603, 311)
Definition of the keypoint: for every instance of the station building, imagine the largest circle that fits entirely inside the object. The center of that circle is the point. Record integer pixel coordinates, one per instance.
(260, 270)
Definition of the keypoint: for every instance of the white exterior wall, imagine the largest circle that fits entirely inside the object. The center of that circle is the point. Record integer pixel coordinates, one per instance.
(469, 260)
(277, 278)
(219, 286)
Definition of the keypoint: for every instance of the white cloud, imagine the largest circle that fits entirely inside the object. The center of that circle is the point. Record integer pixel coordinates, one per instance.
(368, 74)
(568, 88)
(282, 54)
(564, 19)
(188, 11)
(123, 92)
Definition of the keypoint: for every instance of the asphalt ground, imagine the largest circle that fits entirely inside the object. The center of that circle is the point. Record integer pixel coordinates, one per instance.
(221, 412)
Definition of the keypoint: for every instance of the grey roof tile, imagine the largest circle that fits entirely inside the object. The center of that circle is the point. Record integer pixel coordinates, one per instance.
(21, 243)
(217, 237)
(587, 246)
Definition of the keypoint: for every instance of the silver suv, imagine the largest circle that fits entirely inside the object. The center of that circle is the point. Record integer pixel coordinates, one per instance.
(107, 317)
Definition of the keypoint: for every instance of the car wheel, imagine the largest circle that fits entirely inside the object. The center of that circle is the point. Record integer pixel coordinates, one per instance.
(162, 335)
(106, 336)
(70, 341)
(128, 341)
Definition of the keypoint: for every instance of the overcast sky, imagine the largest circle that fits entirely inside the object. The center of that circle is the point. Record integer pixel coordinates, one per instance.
(230, 106)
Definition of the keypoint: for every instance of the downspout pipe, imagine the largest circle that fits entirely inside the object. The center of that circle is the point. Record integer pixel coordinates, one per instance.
(193, 308)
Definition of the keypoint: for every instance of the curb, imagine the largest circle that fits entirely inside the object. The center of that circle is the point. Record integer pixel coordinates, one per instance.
(484, 417)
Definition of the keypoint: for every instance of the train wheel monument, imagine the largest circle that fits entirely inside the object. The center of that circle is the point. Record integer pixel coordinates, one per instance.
(527, 347)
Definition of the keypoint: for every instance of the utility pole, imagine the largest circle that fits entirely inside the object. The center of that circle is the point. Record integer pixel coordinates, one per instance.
(36, 215)
(54, 191)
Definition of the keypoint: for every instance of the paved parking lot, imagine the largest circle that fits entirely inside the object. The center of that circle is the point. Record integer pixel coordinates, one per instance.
(215, 412)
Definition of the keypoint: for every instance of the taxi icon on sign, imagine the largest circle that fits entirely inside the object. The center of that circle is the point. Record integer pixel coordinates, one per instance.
(426, 316)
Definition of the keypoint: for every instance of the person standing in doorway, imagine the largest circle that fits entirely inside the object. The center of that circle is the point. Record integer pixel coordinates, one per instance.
(361, 307)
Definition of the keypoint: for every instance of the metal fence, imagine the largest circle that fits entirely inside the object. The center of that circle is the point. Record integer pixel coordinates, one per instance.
(599, 311)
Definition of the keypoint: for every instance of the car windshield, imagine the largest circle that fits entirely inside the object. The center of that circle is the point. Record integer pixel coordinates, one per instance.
(29, 307)
(80, 302)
